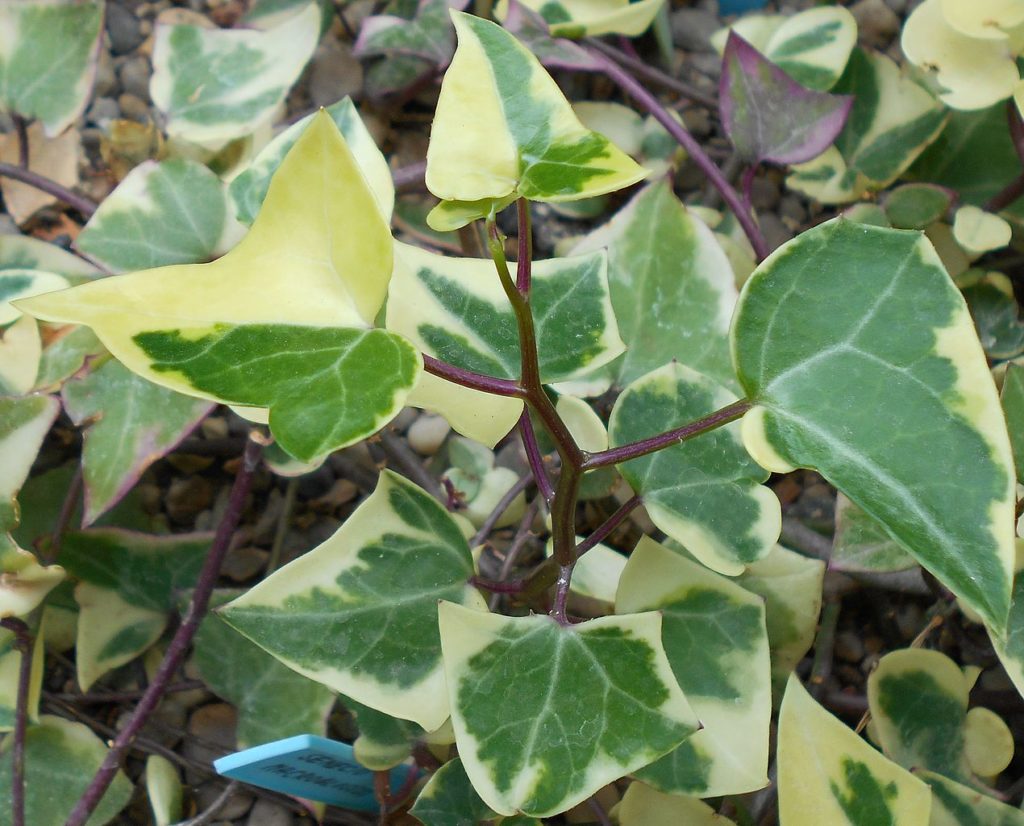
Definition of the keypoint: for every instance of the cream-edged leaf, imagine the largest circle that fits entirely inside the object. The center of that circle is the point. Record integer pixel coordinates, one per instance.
(891, 122)
(790, 585)
(129, 424)
(671, 285)
(384, 741)
(428, 34)
(954, 804)
(449, 799)
(359, 612)
(61, 758)
(24, 583)
(524, 139)
(480, 416)
(705, 493)
(22, 252)
(918, 399)
(978, 231)
(625, 709)
(591, 18)
(250, 187)
(215, 85)
(48, 54)
(827, 774)
(827, 179)
(1012, 399)
(20, 283)
(24, 423)
(644, 806)
(918, 703)
(273, 701)
(172, 212)
(988, 742)
(971, 72)
(164, 790)
(21, 349)
(279, 322)
(715, 638)
(111, 632)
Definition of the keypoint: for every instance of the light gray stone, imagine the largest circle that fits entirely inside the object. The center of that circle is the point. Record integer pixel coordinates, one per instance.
(122, 29)
(268, 813)
(134, 74)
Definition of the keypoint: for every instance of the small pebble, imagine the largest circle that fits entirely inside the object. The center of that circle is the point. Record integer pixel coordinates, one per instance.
(334, 73)
(427, 434)
(764, 193)
(268, 813)
(133, 108)
(187, 497)
(134, 74)
(102, 111)
(237, 805)
(122, 29)
(105, 83)
(877, 23)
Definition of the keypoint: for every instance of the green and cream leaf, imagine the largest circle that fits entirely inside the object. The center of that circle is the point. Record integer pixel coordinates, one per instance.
(624, 711)
(48, 55)
(715, 638)
(827, 774)
(172, 212)
(862, 544)
(282, 321)
(273, 701)
(591, 18)
(643, 805)
(954, 804)
(214, 85)
(524, 139)
(359, 613)
(705, 493)
(672, 287)
(917, 397)
(129, 424)
(10, 667)
(250, 187)
(449, 799)
(24, 583)
(164, 790)
(24, 423)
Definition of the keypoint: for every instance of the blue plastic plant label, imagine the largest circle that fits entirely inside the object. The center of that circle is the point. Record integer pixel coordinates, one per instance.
(310, 767)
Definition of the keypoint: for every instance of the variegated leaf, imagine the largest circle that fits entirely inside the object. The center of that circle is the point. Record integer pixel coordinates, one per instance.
(130, 423)
(827, 774)
(918, 400)
(705, 493)
(10, 669)
(282, 321)
(250, 187)
(671, 284)
(24, 423)
(812, 47)
(625, 708)
(172, 212)
(715, 638)
(644, 806)
(969, 72)
(19, 283)
(449, 799)
(384, 741)
(1012, 399)
(591, 18)
(48, 55)
(111, 632)
(455, 309)
(61, 758)
(359, 613)
(918, 703)
(24, 583)
(22, 252)
(428, 34)
(862, 544)
(978, 232)
(273, 701)
(215, 85)
(954, 804)
(531, 29)
(523, 141)
(790, 585)
(767, 115)
(21, 349)
(164, 790)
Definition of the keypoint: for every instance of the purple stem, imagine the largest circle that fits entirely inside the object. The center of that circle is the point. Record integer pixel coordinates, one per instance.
(503, 505)
(649, 102)
(67, 510)
(524, 264)
(748, 187)
(609, 525)
(410, 177)
(654, 75)
(623, 453)
(534, 457)
(508, 586)
(1016, 127)
(181, 641)
(562, 594)
(467, 378)
(40, 182)
(21, 128)
(23, 645)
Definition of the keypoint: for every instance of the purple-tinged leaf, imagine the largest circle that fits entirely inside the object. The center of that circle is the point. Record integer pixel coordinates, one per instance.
(553, 52)
(768, 116)
(131, 423)
(428, 35)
